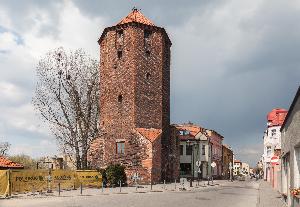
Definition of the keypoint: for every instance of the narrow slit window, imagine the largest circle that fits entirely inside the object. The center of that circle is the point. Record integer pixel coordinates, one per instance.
(147, 34)
(120, 98)
(147, 53)
(120, 54)
(120, 33)
(148, 76)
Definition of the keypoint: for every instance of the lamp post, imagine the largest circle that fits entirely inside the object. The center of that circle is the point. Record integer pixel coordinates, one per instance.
(188, 142)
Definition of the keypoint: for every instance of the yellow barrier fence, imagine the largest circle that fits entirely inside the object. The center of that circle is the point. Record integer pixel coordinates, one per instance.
(4, 182)
(66, 178)
(20, 181)
(89, 178)
(28, 180)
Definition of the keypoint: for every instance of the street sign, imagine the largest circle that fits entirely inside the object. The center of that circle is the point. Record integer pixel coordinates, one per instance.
(198, 163)
(274, 160)
(213, 164)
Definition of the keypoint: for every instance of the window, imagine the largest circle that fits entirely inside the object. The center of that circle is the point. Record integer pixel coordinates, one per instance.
(189, 149)
(273, 132)
(120, 33)
(185, 168)
(269, 151)
(147, 33)
(181, 149)
(297, 168)
(119, 54)
(203, 149)
(147, 53)
(120, 98)
(120, 147)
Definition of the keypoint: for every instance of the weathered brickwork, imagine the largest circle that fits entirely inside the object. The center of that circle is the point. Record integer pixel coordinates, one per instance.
(135, 102)
(227, 157)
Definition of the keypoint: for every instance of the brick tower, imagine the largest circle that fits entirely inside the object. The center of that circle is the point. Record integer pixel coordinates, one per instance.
(135, 99)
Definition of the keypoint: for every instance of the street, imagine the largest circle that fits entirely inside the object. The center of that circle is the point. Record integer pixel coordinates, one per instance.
(237, 193)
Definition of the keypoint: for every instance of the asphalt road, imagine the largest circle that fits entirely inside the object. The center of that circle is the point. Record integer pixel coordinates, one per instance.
(238, 193)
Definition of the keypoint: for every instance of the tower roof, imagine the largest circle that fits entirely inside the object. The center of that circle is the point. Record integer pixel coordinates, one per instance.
(136, 16)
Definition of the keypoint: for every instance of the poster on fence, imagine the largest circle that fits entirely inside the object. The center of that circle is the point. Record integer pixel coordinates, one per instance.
(28, 180)
(4, 185)
(89, 178)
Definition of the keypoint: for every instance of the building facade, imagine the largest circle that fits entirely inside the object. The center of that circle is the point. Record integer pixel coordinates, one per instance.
(227, 161)
(216, 139)
(135, 100)
(272, 142)
(245, 169)
(290, 151)
(237, 166)
(195, 147)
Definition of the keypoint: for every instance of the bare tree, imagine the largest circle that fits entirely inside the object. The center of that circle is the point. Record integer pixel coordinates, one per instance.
(4, 147)
(67, 97)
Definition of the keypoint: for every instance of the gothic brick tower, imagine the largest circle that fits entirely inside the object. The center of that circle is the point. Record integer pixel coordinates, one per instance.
(135, 99)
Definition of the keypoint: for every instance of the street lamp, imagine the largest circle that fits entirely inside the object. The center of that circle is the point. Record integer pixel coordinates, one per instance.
(188, 142)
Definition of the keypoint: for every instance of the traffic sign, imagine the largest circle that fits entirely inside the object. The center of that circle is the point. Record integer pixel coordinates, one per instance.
(198, 163)
(274, 160)
(213, 164)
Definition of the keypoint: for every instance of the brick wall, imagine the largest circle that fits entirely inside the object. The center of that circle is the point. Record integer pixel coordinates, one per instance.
(135, 93)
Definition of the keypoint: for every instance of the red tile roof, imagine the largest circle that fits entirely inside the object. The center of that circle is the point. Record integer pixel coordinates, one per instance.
(276, 117)
(150, 134)
(136, 16)
(6, 163)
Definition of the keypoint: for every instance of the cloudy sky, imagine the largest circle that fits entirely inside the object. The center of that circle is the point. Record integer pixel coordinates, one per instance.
(232, 61)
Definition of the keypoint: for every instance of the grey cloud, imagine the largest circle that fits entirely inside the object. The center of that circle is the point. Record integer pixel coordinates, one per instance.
(227, 73)
(167, 12)
(24, 14)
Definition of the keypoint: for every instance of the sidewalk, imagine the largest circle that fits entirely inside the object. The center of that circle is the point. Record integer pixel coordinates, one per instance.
(268, 197)
(158, 188)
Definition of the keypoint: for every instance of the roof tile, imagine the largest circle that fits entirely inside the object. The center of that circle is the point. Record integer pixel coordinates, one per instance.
(136, 16)
(151, 134)
(6, 163)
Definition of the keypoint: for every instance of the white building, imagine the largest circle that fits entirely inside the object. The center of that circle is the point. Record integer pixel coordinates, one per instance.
(272, 139)
(194, 146)
(237, 166)
(245, 169)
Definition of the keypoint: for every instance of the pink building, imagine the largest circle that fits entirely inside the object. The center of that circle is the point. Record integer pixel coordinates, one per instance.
(216, 139)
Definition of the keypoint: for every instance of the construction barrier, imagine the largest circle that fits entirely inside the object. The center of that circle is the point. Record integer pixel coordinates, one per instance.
(89, 178)
(4, 182)
(28, 180)
(66, 178)
(21, 181)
